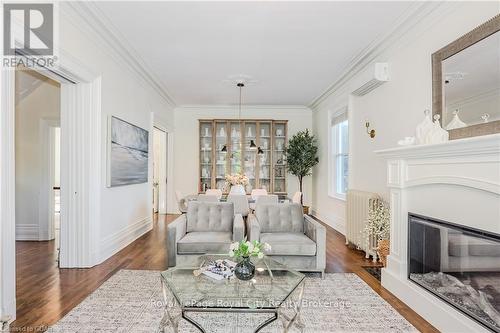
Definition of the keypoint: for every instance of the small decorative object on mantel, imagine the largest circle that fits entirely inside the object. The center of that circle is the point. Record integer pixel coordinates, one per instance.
(237, 182)
(429, 132)
(438, 134)
(378, 227)
(423, 129)
(455, 122)
(485, 117)
(245, 269)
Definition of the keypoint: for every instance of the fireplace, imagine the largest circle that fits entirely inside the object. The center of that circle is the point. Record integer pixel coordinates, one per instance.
(458, 264)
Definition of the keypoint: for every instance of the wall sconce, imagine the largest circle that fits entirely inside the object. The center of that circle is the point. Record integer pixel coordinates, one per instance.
(370, 132)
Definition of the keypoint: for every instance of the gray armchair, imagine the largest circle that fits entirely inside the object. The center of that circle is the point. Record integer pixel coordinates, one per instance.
(206, 228)
(296, 240)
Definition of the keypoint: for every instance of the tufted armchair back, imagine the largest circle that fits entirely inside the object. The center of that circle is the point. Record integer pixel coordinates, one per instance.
(284, 217)
(210, 216)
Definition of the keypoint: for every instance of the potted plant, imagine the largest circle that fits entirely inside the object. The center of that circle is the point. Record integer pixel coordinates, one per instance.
(243, 250)
(378, 226)
(301, 157)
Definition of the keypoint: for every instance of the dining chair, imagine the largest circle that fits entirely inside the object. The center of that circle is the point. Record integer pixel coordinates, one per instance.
(207, 198)
(240, 202)
(181, 201)
(296, 197)
(265, 199)
(214, 192)
(257, 192)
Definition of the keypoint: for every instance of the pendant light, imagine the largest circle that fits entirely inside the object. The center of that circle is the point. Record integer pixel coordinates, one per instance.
(240, 85)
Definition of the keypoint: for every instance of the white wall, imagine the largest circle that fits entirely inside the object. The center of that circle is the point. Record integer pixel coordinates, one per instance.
(41, 103)
(395, 108)
(186, 167)
(125, 211)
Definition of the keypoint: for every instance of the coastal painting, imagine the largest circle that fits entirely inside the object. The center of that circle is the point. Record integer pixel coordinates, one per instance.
(128, 153)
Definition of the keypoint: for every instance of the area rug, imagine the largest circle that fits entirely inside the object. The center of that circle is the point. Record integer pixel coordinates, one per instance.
(131, 301)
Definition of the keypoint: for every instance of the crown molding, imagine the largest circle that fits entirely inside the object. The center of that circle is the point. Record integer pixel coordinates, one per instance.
(417, 14)
(101, 27)
(225, 107)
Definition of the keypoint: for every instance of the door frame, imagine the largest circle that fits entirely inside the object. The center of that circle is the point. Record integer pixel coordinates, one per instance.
(169, 205)
(80, 171)
(46, 209)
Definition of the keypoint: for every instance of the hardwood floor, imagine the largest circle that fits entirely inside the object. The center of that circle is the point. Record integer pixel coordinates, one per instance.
(45, 293)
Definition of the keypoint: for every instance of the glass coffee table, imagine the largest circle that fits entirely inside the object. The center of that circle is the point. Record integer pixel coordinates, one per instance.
(270, 291)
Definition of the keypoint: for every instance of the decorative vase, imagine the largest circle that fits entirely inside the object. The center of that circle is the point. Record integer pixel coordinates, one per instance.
(237, 189)
(383, 250)
(244, 270)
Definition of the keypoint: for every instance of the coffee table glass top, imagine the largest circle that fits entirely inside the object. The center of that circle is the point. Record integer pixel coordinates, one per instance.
(270, 287)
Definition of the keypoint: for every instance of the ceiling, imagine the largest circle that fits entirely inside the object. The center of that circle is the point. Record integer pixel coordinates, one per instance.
(292, 51)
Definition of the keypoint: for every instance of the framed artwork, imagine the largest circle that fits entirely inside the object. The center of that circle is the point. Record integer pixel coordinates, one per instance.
(128, 153)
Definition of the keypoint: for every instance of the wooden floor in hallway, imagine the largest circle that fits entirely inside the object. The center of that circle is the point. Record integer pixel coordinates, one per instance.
(46, 293)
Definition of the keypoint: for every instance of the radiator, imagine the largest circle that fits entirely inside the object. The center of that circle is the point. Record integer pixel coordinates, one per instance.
(358, 207)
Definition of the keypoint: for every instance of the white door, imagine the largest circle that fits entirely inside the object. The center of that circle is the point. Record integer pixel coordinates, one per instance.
(159, 171)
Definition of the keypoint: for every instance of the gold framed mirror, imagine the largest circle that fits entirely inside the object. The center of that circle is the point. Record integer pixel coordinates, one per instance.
(466, 82)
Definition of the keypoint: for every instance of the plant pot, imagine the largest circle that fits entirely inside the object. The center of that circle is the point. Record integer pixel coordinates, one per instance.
(383, 250)
(306, 209)
(237, 189)
(245, 269)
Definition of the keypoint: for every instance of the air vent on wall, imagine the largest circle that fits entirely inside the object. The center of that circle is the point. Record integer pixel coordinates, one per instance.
(376, 75)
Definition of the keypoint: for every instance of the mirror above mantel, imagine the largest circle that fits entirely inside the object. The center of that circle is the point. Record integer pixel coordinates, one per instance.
(466, 82)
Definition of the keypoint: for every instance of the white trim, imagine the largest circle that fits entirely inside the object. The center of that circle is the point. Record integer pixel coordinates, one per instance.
(46, 195)
(420, 13)
(27, 232)
(245, 107)
(7, 196)
(116, 242)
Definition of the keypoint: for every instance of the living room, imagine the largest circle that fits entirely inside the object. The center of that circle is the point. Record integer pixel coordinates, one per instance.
(251, 166)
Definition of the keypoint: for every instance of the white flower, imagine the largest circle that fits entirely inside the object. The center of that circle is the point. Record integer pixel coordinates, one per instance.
(231, 253)
(250, 247)
(267, 247)
(234, 246)
(260, 255)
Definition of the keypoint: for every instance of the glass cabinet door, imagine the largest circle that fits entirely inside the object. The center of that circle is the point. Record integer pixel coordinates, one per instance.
(264, 156)
(221, 155)
(249, 153)
(279, 164)
(235, 149)
(206, 131)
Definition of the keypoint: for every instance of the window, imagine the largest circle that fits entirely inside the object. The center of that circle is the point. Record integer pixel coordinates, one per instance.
(339, 156)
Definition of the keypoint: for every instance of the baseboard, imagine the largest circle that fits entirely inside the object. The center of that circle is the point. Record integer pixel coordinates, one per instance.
(27, 232)
(112, 244)
(334, 222)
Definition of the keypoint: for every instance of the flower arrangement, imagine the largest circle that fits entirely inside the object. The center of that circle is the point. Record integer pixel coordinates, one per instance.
(245, 248)
(237, 179)
(378, 225)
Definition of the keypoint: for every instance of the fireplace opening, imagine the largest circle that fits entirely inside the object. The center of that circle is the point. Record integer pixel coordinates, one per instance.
(458, 264)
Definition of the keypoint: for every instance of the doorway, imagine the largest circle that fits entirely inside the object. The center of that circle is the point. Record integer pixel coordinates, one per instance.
(160, 162)
(37, 142)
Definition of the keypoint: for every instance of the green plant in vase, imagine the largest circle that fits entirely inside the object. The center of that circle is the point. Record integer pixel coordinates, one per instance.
(243, 250)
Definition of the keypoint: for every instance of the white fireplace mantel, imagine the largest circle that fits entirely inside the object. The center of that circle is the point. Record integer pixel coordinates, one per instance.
(456, 181)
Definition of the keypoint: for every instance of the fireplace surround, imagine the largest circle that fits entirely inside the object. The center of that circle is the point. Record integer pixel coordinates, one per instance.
(458, 264)
(457, 181)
